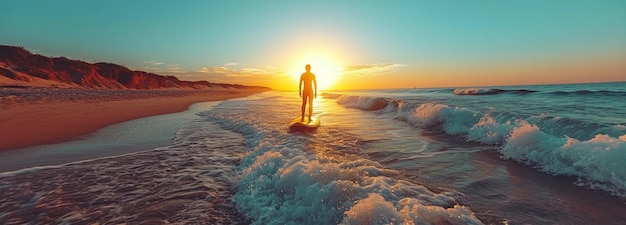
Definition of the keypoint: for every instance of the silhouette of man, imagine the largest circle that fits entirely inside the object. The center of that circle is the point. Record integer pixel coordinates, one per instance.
(307, 78)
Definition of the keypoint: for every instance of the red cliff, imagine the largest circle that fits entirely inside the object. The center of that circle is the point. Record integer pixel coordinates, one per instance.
(19, 65)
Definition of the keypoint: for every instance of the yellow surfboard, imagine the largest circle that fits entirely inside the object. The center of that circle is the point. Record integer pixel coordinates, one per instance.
(298, 123)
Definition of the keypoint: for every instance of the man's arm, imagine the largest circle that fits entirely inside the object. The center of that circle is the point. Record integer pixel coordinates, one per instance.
(315, 83)
(300, 86)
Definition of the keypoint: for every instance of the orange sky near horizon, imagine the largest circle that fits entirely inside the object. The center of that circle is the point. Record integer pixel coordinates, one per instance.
(338, 69)
(406, 76)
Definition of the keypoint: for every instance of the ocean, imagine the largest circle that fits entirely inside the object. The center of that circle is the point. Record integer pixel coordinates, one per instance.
(543, 154)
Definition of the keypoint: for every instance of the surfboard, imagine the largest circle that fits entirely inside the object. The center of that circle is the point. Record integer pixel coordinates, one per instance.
(298, 123)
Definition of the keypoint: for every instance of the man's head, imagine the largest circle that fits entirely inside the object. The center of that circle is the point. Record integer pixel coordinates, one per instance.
(308, 67)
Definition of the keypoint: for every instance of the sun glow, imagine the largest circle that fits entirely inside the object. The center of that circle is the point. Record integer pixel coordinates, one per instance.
(326, 69)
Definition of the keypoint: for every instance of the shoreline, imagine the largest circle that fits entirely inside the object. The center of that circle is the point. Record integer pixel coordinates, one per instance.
(56, 119)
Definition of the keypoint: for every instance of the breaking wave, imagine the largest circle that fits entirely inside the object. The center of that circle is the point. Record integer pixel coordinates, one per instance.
(488, 91)
(283, 180)
(593, 152)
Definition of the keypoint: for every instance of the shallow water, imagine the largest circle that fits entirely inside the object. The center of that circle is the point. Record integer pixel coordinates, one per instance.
(127, 137)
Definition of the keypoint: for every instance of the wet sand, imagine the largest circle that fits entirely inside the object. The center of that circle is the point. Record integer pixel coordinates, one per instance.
(189, 182)
(36, 116)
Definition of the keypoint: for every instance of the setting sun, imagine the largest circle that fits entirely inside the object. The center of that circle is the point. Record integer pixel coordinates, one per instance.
(325, 67)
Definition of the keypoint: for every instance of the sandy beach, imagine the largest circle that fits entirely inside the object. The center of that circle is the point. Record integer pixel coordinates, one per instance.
(36, 116)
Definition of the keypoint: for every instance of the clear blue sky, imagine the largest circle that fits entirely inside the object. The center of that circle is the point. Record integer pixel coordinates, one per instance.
(372, 44)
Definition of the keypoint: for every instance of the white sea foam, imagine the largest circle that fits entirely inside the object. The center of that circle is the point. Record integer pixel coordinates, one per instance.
(473, 91)
(489, 131)
(284, 181)
(487, 91)
(285, 185)
(599, 162)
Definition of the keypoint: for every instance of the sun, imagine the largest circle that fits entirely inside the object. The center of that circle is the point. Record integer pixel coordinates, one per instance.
(325, 67)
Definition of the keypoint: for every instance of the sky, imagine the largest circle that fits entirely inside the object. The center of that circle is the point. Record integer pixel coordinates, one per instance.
(349, 44)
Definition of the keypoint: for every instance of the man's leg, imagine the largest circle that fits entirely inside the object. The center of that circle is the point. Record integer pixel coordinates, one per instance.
(310, 107)
(303, 106)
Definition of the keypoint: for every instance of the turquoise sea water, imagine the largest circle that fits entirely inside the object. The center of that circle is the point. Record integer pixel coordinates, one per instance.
(549, 154)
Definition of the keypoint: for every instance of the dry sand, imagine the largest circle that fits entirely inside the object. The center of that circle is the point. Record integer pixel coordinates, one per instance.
(30, 117)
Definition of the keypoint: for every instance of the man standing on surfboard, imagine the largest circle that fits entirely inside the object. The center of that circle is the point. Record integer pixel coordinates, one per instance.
(307, 78)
